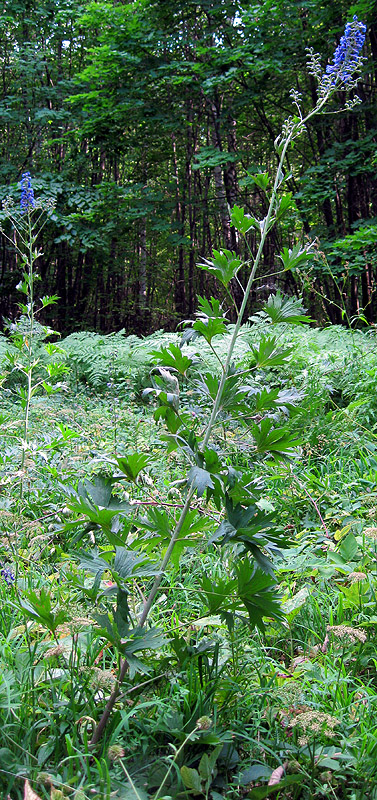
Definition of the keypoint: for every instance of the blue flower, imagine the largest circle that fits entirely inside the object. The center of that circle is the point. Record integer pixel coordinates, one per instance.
(27, 193)
(6, 574)
(347, 54)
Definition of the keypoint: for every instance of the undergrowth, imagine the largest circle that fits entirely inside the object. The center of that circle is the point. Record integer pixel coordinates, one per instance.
(305, 695)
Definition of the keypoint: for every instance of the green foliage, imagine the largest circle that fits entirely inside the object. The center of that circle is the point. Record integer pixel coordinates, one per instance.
(268, 354)
(209, 603)
(282, 309)
(216, 557)
(95, 359)
(224, 264)
(38, 607)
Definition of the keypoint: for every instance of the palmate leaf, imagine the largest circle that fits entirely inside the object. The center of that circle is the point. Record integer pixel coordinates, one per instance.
(186, 441)
(169, 415)
(98, 494)
(254, 529)
(173, 357)
(285, 204)
(129, 641)
(281, 308)
(128, 564)
(132, 465)
(95, 501)
(296, 257)
(264, 399)
(193, 525)
(141, 639)
(243, 222)
(275, 441)
(93, 562)
(261, 179)
(200, 479)
(257, 591)
(251, 521)
(122, 616)
(37, 606)
(224, 265)
(209, 327)
(210, 308)
(268, 354)
(105, 518)
(217, 593)
(159, 527)
(210, 321)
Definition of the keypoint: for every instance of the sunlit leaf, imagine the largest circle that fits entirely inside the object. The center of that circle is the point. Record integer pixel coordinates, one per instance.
(224, 264)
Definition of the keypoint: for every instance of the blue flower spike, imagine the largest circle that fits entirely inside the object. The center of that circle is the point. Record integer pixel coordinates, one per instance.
(6, 574)
(347, 54)
(27, 193)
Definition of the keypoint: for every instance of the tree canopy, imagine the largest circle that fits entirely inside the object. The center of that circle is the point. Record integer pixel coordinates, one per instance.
(146, 122)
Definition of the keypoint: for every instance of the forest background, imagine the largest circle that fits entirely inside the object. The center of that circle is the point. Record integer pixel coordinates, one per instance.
(145, 122)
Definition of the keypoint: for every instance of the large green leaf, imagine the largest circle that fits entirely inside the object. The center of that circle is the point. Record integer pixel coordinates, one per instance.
(132, 465)
(192, 780)
(128, 564)
(243, 222)
(38, 606)
(281, 308)
(274, 441)
(255, 530)
(200, 479)
(296, 257)
(173, 357)
(268, 354)
(224, 264)
(218, 593)
(257, 591)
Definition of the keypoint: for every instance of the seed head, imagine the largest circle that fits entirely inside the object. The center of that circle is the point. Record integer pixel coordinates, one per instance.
(346, 632)
(55, 652)
(204, 723)
(371, 532)
(115, 752)
(316, 722)
(356, 577)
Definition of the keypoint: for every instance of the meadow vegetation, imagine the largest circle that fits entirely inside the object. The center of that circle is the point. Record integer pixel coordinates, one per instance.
(220, 703)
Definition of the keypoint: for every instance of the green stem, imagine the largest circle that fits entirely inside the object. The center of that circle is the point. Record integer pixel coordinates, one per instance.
(187, 739)
(217, 401)
(216, 405)
(130, 781)
(30, 300)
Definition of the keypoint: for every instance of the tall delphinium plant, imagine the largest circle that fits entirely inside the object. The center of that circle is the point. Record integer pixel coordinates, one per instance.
(233, 398)
(225, 265)
(27, 220)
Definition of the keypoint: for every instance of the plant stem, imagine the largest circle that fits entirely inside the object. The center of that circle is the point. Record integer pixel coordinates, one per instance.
(176, 754)
(216, 406)
(30, 303)
(217, 401)
(98, 731)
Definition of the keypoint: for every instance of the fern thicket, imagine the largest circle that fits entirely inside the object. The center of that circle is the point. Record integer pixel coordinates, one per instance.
(343, 362)
(95, 359)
